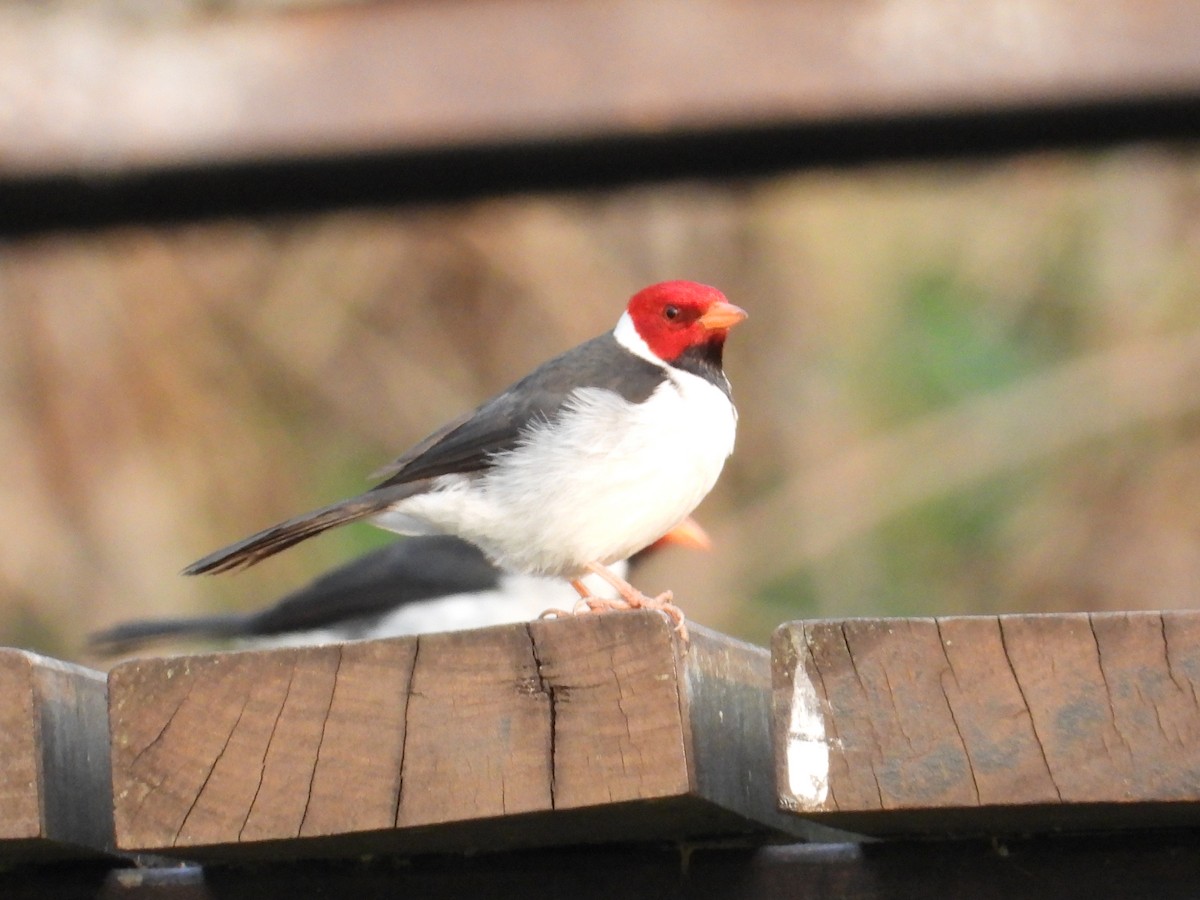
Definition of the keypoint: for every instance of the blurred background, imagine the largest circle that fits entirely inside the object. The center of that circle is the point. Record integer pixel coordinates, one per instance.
(970, 382)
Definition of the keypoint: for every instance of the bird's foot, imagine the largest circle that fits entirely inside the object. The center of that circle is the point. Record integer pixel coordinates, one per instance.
(600, 605)
(631, 598)
(664, 603)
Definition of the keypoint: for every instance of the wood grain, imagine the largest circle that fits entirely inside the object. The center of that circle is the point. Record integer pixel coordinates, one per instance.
(589, 729)
(54, 784)
(973, 724)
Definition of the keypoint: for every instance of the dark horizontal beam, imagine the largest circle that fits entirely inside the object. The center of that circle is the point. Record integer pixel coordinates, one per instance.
(372, 180)
(1113, 866)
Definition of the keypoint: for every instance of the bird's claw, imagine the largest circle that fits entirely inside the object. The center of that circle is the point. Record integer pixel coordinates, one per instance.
(599, 605)
(663, 603)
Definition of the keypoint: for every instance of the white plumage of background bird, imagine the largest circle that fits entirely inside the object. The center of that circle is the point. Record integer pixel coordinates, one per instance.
(414, 585)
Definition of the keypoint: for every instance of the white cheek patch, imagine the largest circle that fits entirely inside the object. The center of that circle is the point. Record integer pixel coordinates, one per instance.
(628, 337)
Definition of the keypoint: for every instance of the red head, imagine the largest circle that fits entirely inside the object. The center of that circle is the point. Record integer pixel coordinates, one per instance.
(674, 316)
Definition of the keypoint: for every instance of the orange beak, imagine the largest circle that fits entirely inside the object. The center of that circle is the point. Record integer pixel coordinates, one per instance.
(722, 315)
(687, 533)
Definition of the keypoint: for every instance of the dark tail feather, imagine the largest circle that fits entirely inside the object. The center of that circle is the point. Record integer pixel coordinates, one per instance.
(270, 541)
(131, 635)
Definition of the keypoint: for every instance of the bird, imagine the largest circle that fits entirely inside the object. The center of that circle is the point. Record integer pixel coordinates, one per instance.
(583, 462)
(410, 586)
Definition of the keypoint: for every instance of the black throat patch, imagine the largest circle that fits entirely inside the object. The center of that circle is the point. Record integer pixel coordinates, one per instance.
(705, 360)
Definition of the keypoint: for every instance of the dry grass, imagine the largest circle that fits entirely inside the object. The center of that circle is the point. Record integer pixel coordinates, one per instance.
(962, 387)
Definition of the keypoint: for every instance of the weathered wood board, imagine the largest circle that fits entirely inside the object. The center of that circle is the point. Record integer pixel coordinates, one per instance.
(371, 77)
(54, 775)
(986, 724)
(589, 729)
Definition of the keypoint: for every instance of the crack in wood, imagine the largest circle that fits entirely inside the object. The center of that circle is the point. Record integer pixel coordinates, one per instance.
(891, 696)
(1190, 688)
(622, 746)
(312, 775)
(1187, 689)
(262, 768)
(853, 662)
(950, 708)
(166, 725)
(1158, 719)
(867, 696)
(208, 776)
(552, 701)
(408, 695)
(1028, 709)
(1108, 695)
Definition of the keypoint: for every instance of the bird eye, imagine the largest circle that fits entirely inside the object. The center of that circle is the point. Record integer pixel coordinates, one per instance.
(671, 312)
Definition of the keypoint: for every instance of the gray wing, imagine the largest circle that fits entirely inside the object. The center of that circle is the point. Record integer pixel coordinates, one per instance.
(471, 442)
(467, 445)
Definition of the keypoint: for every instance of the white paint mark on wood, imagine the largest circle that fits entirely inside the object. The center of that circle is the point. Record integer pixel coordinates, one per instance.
(807, 746)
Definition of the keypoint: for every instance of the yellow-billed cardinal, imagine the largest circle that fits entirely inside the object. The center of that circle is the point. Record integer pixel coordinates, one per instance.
(588, 459)
(411, 586)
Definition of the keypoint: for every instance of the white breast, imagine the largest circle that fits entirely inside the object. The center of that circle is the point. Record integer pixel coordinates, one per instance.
(607, 479)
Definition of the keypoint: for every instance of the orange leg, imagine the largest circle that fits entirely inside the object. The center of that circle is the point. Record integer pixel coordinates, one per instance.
(631, 598)
(588, 602)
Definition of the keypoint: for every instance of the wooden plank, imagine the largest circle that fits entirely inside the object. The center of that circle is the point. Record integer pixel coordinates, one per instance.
(1162, 866)
(54, 777)
(980, 724)
(107, 94)
(588, 729)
